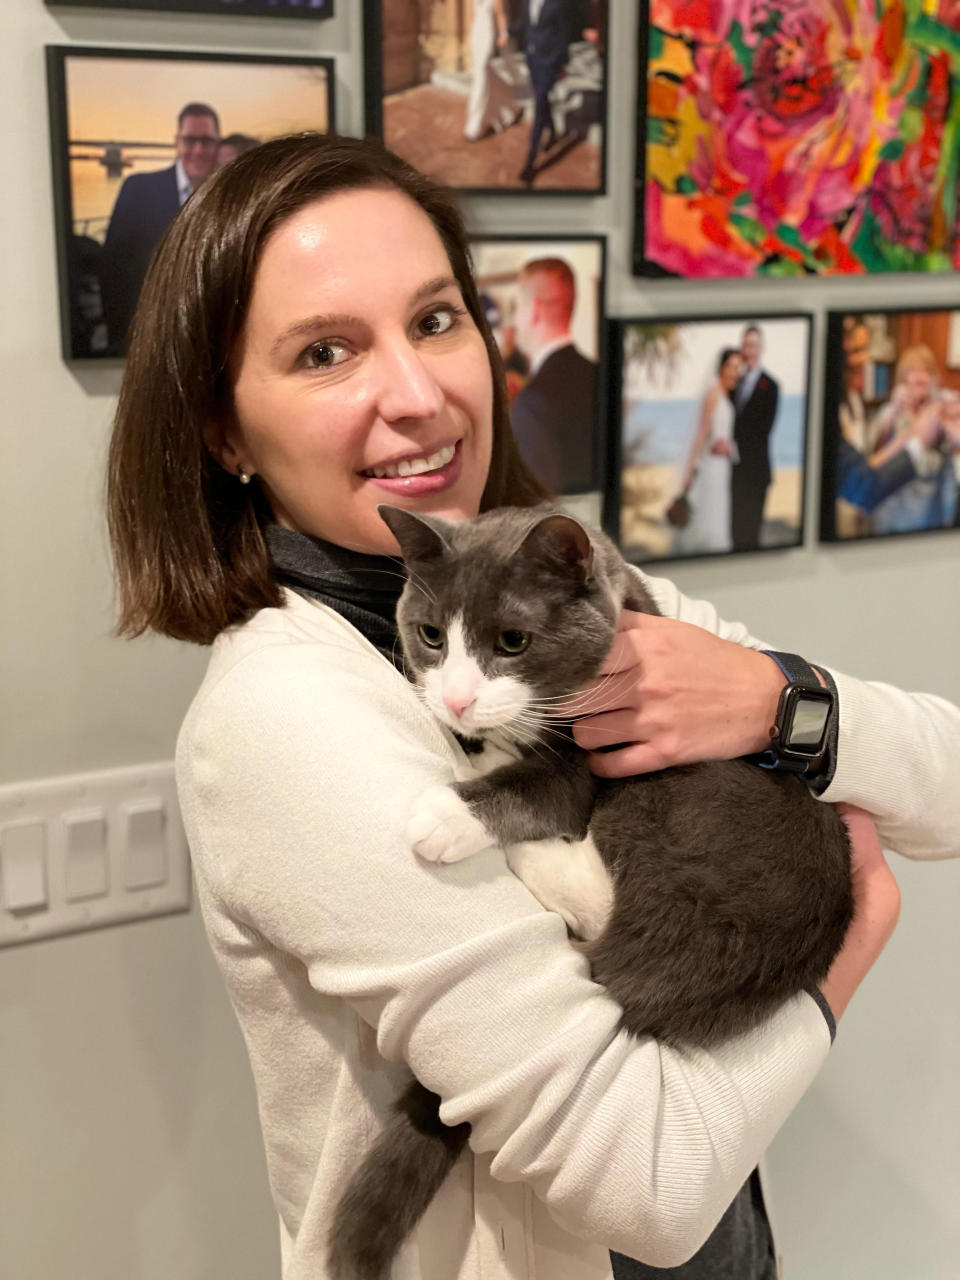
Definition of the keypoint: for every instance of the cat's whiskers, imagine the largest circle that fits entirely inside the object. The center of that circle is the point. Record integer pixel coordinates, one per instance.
(410, 576)
(540, 729)
(577, 701)
(572, 712)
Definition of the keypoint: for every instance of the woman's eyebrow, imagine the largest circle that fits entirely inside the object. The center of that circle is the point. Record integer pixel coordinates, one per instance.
(334, 320)
(436, 285)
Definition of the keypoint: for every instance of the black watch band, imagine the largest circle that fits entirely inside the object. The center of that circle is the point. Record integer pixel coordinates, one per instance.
(800, 735)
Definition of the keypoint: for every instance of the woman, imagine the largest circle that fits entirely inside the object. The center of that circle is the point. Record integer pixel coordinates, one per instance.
(309, 344)
(920, 503)
(706, 476)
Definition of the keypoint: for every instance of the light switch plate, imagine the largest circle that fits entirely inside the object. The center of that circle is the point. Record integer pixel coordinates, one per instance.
(113, 850)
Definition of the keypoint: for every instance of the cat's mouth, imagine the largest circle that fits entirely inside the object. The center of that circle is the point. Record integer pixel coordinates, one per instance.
(521, 729)
(423, 473)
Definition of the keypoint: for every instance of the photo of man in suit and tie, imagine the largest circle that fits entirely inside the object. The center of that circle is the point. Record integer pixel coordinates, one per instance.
(756, 398)
(554, 416)
(543, 301)
(146, 205)
(135, 133)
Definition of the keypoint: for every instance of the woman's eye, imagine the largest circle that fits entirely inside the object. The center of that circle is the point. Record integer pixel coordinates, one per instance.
(432, 637)
(325, 355)
(513, 641)
(437, 322)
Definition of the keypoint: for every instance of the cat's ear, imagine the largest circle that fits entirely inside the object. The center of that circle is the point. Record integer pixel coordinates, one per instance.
(563, 542)
(420, 537)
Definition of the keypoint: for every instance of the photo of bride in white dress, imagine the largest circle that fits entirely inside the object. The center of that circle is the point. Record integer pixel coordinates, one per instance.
(497, 78)
(706, 477)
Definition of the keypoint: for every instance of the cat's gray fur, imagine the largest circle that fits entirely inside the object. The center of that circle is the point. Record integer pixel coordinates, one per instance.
(731, 883)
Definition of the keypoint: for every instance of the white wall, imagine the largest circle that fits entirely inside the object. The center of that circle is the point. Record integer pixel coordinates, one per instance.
(130, 1143)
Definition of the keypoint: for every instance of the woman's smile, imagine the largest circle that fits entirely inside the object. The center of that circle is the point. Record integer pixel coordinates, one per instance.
(424, 472)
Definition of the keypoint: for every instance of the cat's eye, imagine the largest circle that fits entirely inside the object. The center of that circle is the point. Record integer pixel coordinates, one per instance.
(513, 641)
(432, 637)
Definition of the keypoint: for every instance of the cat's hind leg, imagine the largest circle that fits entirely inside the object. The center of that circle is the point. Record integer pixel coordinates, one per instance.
(567, 877)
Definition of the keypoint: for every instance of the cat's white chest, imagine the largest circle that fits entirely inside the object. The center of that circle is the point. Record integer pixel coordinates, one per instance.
(496, 752)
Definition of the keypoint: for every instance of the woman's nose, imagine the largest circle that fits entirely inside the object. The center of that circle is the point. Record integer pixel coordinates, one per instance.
(407, 388)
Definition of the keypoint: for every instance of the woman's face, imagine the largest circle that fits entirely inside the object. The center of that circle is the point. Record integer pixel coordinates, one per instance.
(730, 372)
(360, 377)
(918, 384)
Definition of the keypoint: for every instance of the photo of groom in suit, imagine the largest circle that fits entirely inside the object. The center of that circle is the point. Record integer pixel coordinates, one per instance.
(554, 417)
(145, 206)
(755, 401)
(549, 28)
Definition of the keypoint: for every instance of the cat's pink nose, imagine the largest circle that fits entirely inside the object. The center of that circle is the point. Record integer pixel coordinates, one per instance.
(458, 705)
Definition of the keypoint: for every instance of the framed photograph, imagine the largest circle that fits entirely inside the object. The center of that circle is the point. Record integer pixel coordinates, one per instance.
(710, 442)
(255, 8)
(133, 133)
(891, 447)
(797, 139)
(491, 95)
(544, 299)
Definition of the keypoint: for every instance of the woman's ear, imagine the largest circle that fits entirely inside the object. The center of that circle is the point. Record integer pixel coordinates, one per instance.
(224, 447)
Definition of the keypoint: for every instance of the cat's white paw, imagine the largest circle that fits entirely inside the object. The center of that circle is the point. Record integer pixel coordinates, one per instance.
(442, 828)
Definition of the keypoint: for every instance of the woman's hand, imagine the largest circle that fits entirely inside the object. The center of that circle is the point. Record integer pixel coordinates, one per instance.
(876, 909)
(672, 693)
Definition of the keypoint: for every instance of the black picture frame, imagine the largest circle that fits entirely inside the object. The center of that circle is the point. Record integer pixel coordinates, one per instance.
(86, 332)
(555, 396)
(870, 486)
(657, 450)
(584, 108)
(315, 10)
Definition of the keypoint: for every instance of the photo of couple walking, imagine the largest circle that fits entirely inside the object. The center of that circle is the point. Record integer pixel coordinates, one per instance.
(712, 436)
(493, 94)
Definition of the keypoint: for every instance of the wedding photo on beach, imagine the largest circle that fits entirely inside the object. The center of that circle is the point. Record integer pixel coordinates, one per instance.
(712, 435)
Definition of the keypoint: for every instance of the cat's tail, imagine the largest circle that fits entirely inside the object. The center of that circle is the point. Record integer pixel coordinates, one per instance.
(389, 1193)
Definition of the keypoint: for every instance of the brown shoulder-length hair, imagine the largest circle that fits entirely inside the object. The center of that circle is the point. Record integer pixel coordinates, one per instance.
(188, 550)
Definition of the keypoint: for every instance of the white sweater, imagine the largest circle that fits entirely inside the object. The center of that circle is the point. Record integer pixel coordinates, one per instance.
(346, 958)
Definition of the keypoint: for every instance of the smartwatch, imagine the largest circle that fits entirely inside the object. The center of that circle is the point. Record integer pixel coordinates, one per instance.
(798, 737)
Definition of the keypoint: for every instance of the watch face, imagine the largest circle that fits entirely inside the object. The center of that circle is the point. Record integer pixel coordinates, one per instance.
(806, 721)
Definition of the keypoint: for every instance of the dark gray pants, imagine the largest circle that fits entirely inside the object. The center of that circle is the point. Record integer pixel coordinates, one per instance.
(740, 1247)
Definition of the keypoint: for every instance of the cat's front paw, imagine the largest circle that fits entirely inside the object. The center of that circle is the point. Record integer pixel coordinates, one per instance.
(442, 828)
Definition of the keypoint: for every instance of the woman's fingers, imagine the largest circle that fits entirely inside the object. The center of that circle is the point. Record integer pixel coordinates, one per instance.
(638, 757)
(628, 643)
(606, 729)
(876, 898)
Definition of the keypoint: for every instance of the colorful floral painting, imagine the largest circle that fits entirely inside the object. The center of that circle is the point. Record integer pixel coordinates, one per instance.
(798, 137)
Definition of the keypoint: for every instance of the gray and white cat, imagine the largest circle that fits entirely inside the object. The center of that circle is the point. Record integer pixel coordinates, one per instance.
(704, 895)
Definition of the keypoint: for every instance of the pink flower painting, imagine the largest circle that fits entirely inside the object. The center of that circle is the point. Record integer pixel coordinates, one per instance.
(790, 137)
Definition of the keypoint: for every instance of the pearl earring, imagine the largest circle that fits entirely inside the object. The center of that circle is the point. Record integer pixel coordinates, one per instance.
(242, 476)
